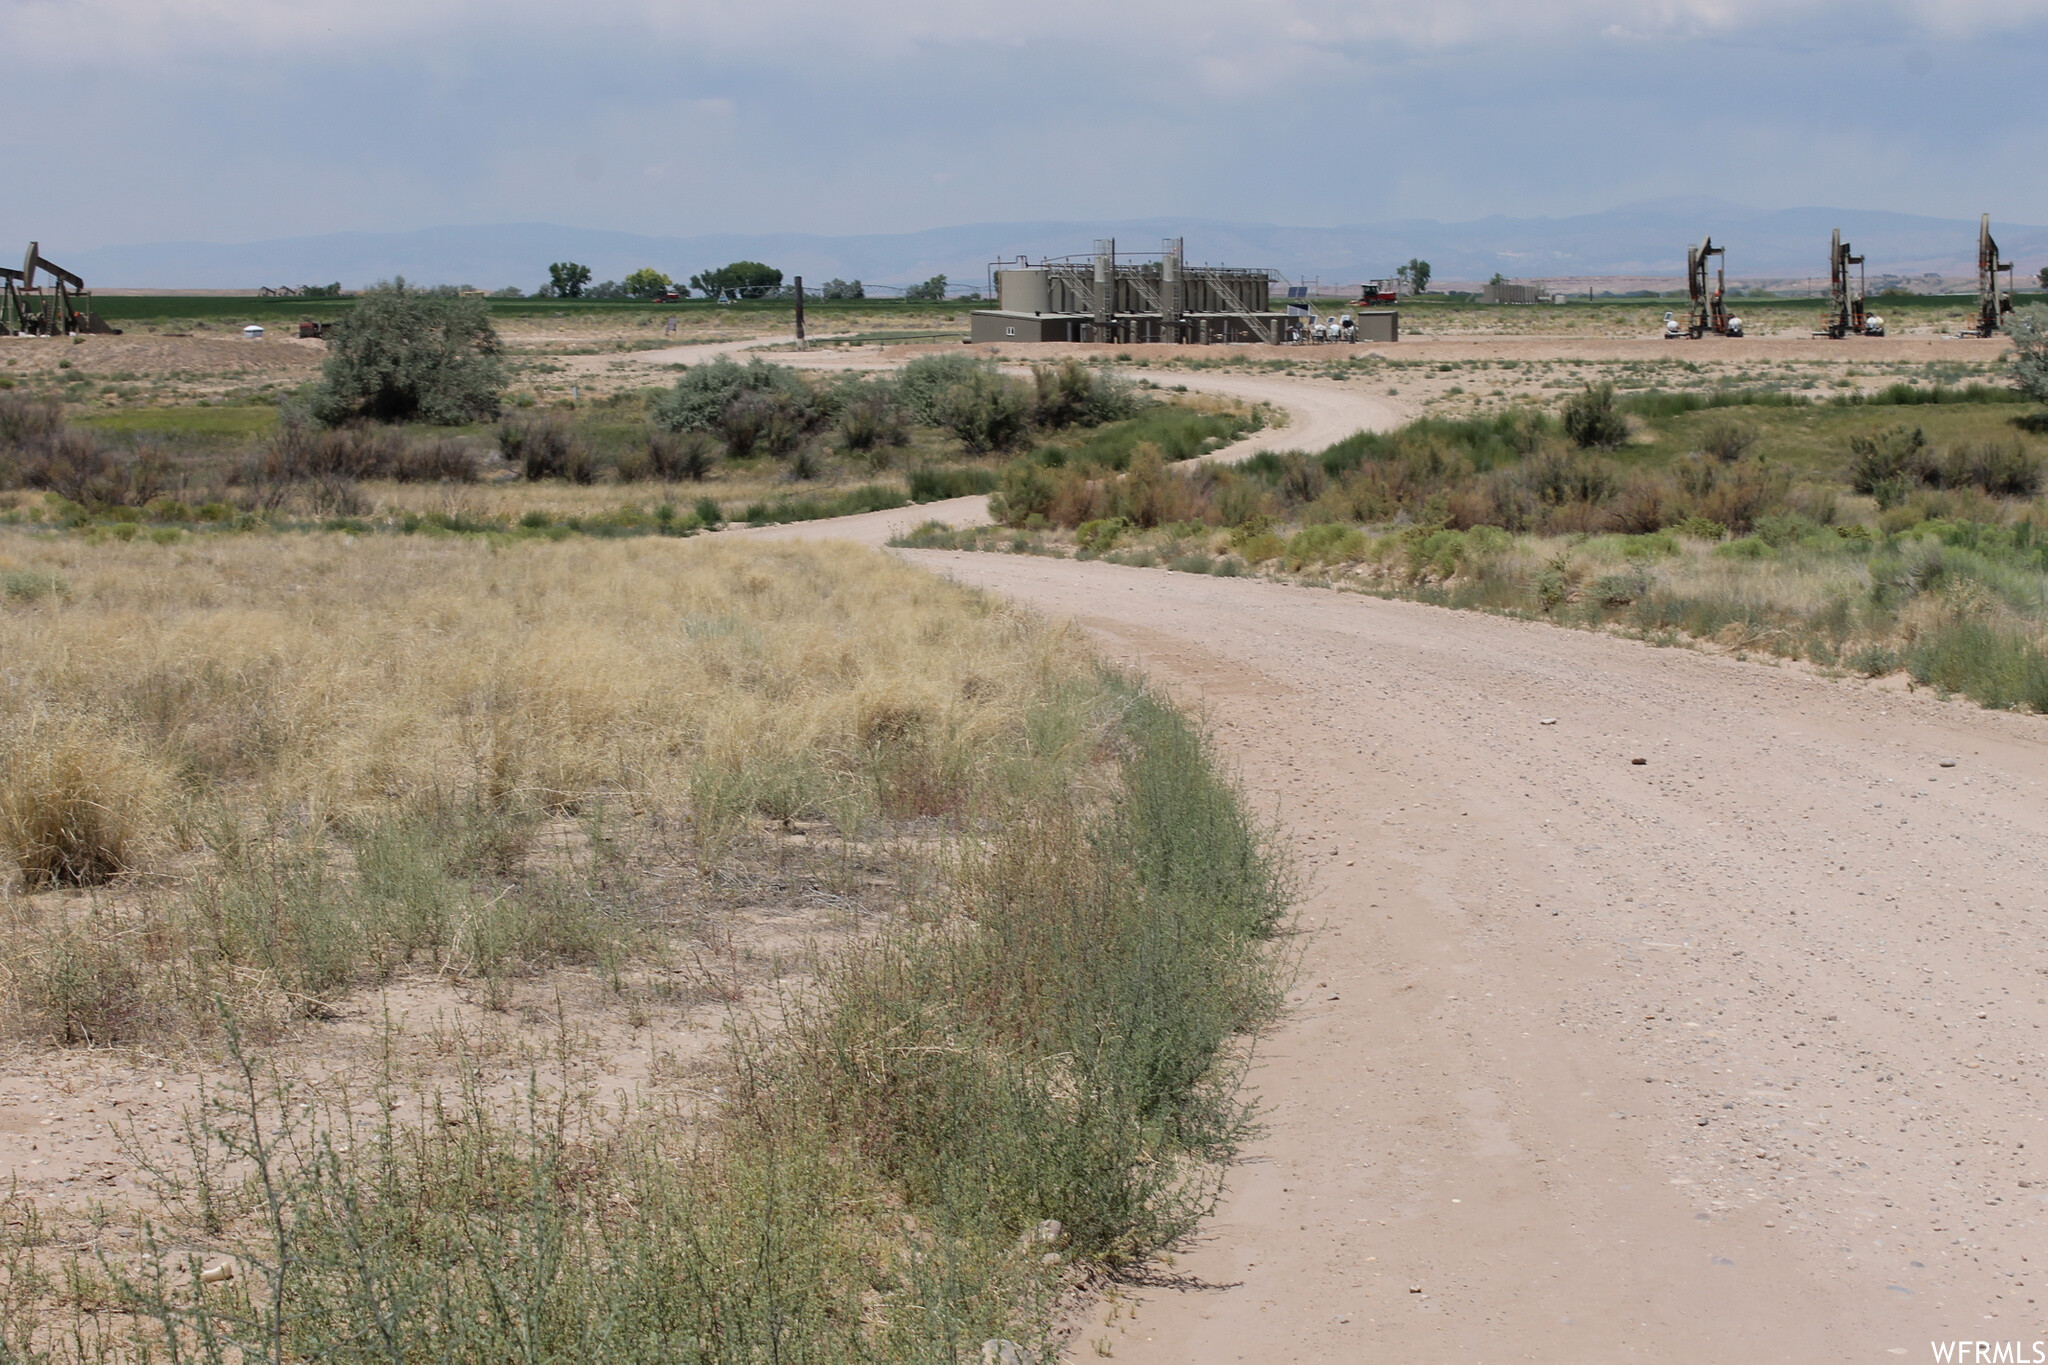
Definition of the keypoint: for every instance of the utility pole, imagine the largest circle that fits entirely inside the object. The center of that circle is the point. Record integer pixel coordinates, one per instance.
(800, 314)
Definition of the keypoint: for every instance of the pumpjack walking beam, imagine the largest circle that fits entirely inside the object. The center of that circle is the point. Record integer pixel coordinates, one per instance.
(1847, 294)
(1709, 307)
(65, 311)
(1993, 301)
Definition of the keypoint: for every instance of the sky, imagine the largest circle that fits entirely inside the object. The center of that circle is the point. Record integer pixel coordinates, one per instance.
(243, 120)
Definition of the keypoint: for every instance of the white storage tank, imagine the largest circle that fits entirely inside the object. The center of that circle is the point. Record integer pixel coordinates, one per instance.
(1022, 291)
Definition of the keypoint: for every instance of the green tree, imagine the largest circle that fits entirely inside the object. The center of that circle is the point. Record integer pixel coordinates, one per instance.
(842, 289)
(1415, 274)
(2028, 328)
(932, 290)
(648, 283)
(566, 280)
(406, 356)
(2043, 277)
(740, 280)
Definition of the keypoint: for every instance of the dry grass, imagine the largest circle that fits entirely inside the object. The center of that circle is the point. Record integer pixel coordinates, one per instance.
(309, 763)
(332, 676)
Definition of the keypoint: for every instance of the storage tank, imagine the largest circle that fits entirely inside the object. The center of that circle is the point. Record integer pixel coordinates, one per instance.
(1021, 291)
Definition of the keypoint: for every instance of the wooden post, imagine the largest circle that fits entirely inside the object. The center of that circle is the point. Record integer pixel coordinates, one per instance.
(800, 313)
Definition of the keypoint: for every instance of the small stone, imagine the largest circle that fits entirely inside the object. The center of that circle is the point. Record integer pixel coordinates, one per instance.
(1048, 1232)
(1948, 763)
(999, 1352)
(1415, 1289)
(1551, 721)
(218, 1274)
(1639, 762)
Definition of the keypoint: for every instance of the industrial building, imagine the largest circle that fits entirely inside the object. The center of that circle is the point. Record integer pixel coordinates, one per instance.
(1150, 296)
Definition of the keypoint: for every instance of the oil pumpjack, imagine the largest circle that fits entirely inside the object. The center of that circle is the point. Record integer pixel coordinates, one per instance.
(1993, 301)
(1709, 305)
(1846, 295)
(66, 310)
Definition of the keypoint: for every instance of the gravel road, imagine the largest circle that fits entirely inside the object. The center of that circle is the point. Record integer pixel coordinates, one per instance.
(1731, 1054)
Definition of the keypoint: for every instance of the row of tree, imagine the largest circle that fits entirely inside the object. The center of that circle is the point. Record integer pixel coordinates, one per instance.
(739, 280)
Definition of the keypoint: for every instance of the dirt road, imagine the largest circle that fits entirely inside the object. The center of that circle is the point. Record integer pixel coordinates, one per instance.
(1733, 1054)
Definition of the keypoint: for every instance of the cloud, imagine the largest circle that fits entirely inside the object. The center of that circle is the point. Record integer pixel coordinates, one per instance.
(257, 118)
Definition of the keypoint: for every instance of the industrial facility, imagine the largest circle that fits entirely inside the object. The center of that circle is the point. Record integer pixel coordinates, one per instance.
(1139, 297)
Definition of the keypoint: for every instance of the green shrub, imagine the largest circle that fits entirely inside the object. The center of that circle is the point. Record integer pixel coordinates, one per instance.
(1070, 394)
(1874, 661)
(1728, 440)
(401, 355)
(1621, 589)
(1591, 419)
(871, 422)
(1327, 544)
(934, 485)
(920, 387)
(1100, 536)
(2028, 328)
(1025, 489)
(1893, 457)
(1748, 547)
(985, 411)
(701, 396)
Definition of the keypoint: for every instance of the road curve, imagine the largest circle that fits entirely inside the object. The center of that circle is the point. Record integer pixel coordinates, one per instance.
(1733, 1053)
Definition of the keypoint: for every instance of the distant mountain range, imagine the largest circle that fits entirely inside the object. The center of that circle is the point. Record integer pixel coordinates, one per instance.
(1644, 239)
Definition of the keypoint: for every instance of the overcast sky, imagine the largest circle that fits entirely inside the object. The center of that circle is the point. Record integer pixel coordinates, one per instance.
(226, 120)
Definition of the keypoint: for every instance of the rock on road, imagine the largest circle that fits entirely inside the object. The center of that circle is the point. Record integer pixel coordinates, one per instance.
(1732, 1055)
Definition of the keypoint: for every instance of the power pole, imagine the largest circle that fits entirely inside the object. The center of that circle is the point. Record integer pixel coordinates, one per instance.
(800, 313)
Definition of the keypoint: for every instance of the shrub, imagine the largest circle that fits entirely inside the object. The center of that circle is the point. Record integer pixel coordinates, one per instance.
(709, 513)
(401, 355)
(1886, 457)
(1025, 489)
(546, 448)
(2028, 328)
(674, 456)
(1728, 440)
(27, 421)
(1621, 589)
(700, 398)
(933, 485)
(1592, 420)
(921, 386)
(1071, 394)
(871, 421)
(1328, 544)
(2003, 468)
(985, 411)
(76, 466)
(442, 460)
(1099, 536)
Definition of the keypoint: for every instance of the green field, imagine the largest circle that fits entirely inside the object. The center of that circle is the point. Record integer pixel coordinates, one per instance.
(126, 309)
